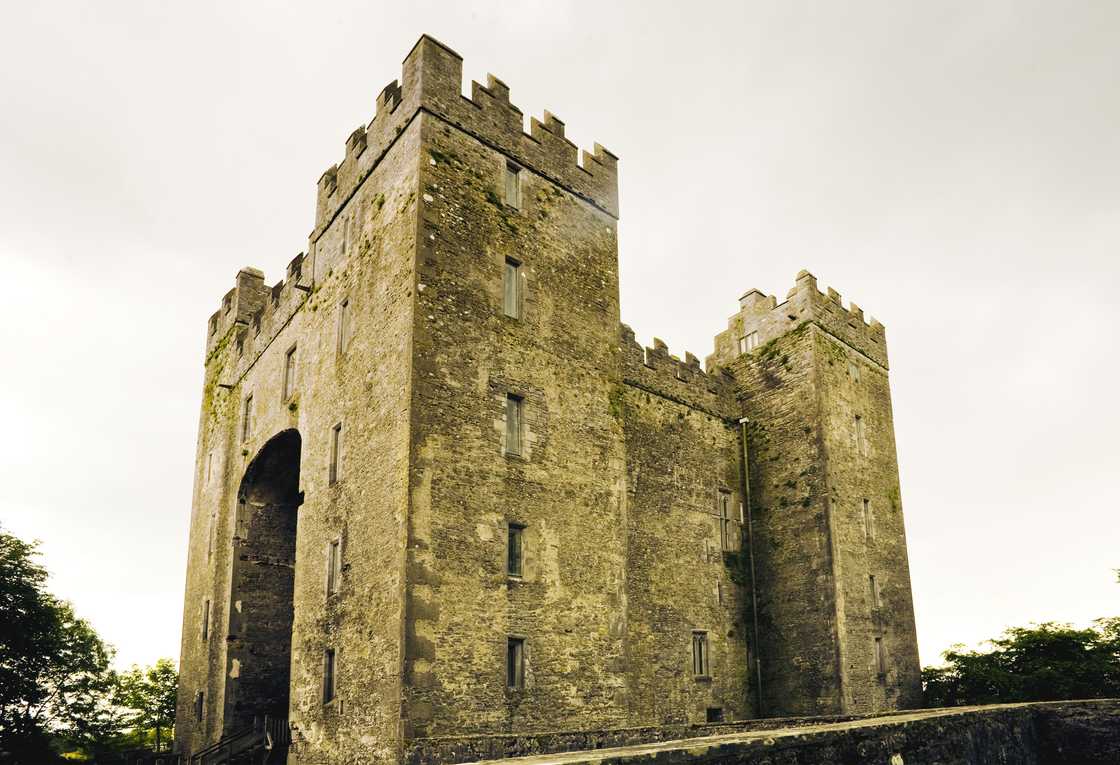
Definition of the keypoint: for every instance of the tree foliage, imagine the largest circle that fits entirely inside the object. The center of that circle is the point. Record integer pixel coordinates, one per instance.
(1045, 662)
(57, 685)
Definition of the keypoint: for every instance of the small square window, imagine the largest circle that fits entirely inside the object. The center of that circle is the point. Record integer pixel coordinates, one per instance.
(335, 471)
(513, 185)
(511, 289)
(513, 549)
(715, 714)
(289, 373)
(515, 663)
(513, 424)
(330, 675)
(700, 655)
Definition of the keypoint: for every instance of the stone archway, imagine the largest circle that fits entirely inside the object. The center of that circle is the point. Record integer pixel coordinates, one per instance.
(259, 651)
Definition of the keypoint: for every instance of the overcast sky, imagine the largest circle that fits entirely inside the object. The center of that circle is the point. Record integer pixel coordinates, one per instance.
(953, 168)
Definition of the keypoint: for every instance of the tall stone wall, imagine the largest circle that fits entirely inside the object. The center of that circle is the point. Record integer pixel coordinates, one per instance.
(837, 615)
(684, 572)
(565, 488)
(365, 257)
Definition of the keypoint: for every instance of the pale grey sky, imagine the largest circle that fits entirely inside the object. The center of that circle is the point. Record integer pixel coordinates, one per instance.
(952, 167)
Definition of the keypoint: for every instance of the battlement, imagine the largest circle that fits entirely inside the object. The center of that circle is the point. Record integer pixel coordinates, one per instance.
(432, 81)
(761, 318)
(253, 310)
(657, 371)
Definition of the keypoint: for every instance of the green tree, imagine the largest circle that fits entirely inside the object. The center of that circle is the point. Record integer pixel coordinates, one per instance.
(55, 678)
(149, 694)
(1041, 663)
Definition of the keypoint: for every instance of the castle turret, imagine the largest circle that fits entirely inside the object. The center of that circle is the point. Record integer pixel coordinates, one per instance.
(836, 618)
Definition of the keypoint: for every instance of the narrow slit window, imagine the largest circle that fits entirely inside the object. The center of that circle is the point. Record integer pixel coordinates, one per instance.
(868, 521)
(334, 566)
(343, 324)
(880, 657)
(289, 373)
(513, 424)
(199, 703)
(330, 675)
(210, 531)
(873, 590)
(513, 549)
(206, 619)
(247, 418)
(700, 658)
(336, 455)
(515, 663)
(726, 536)
(513, 185)
(209, 466)
(861, 440)
(511, 289)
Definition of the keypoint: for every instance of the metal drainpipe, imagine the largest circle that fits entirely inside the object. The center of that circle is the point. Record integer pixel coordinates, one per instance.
(750, 554)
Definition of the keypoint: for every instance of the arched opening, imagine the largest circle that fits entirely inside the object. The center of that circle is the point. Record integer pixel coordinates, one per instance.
(261, 607)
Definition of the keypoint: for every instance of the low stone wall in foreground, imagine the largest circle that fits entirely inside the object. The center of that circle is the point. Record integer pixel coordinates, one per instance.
(1052, 733)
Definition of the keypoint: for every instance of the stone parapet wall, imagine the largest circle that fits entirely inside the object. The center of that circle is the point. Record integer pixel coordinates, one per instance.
(1068, 732)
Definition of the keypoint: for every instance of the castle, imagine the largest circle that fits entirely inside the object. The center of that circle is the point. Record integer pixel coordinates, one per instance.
(442, 491)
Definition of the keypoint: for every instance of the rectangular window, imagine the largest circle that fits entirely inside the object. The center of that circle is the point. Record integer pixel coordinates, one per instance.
(289, 373)
(748, 342)
(511, 289)
(206, 619)
(513, 549)
(861, 440)
(700, 664)
(247, 419)
(868, 521)
(199, 702)
(343, 324)
(329, 675)
(334, 566)
(515, 663)
(336, 453)
(853, 371)
(873, 588)
(880, 657)
(513, 185)
(513, 424)
(715, 714)
(726, 540)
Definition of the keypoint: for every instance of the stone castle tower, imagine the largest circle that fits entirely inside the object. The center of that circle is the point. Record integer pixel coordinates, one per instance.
(441, 491)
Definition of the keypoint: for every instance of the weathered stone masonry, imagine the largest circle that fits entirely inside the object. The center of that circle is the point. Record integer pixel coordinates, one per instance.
(379, 372)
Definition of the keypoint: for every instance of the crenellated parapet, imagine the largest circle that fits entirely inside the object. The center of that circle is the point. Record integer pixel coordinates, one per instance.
(761, 319)
(432, 81)
(255, 312)
(657, 371)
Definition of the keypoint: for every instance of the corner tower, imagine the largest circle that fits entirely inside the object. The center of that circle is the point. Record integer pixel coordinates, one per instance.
(836, 631)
